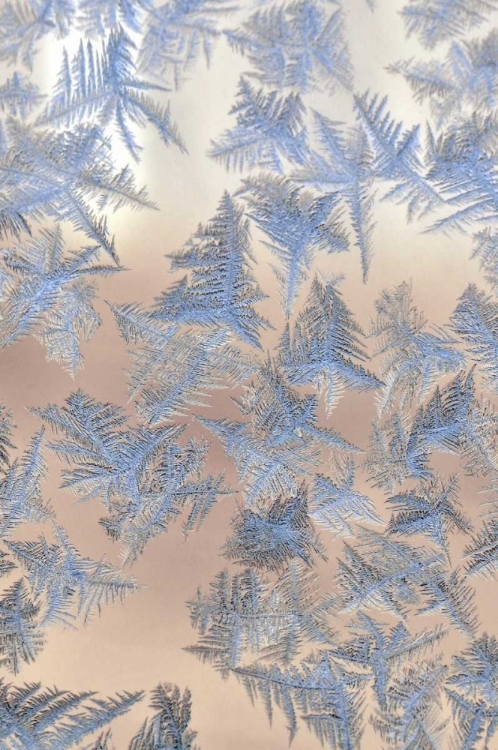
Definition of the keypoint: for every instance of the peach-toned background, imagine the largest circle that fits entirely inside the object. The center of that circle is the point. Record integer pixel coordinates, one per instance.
(136, 644)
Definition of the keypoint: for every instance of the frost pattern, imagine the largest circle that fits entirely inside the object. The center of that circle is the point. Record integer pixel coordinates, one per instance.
(338, 547)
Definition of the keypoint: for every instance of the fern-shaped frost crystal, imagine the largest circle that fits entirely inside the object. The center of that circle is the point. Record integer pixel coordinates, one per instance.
(462, 167)
(275, 533)
(397, 157)
(282, 441)
(476, 321)
(21, 498)
(383, 651)
(324, 347)
(465, 81)
(344, 167)
(445, 592)
(436, 21)
(23, 24)
(169, 727)
(335, 504)
(103, 86)
(269, 131)
(173, 370)
(71, 585)
(297, 224)
(486, 249)
(328, 698)
(143, 476)
(244, 617)
(452, 421)
(296, 45)
(471, 689)
(36, 718)
(97, 17)
(49, 294)
(21, 632)
(481, 555)
(413, 358)
(431, 509)
(177, 33)
(280, 415)
(59, 174)
(384, 574)
(398, 451)
(267, 470)
(19, 96)
(222, 291)
(414, 716)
